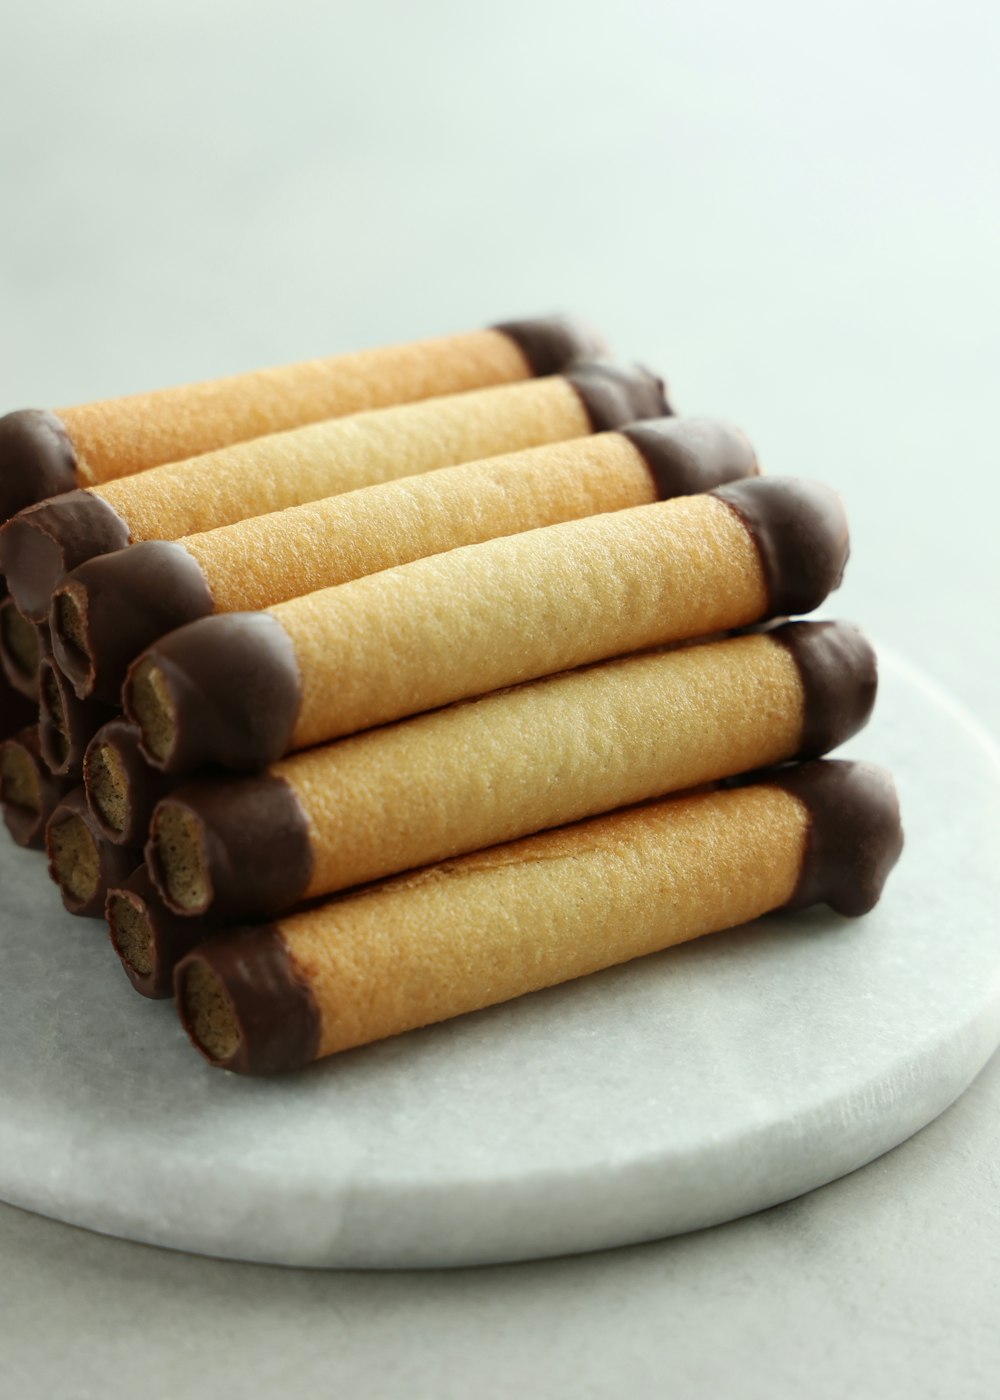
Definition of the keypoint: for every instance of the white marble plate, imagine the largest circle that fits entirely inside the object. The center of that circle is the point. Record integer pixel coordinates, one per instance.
(683, 1090)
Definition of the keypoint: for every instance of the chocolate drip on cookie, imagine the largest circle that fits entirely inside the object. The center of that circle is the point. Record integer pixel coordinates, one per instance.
(615, 394)
(47, 540)
(800, 531)
(839, 673)
(550, 343)
(855, 833)
(689, 455)
(37, 459)
(115, 605)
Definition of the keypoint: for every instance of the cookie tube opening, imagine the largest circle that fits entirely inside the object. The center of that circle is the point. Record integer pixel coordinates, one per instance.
(66, 724)
(122, 789)
(237, 847)
(244, 1005)
(114, 606)
(21, 649)
(148, 938)
(81, 863)
(48, 540)
(28, 791)
(37, 459)
(222, 690)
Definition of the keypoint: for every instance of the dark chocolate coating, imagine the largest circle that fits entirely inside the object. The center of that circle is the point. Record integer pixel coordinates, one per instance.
(127, 601)
(800, 532)
(146, 785)
(275, 1011)
(44, 542)
(63, 748)
(116, 863)
(855, 833)
(550, 343)
(16, 710)
(235, 687)
(171, 937)
(26, 826)
(615, 394)
(37, 459)
(26, 681)
(687, 456)
(839, 673)
(255, 846)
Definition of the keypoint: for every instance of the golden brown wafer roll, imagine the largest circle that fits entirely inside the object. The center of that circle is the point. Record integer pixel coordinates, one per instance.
(289, 469)
(17, 712)
(66, 725)
(505, 766)
(148, 938)
(43, 454)
(22, 645)
(122, 789)
(29, 793)
(246, 688)
(492, 926)
(81, 862)
(113, 606)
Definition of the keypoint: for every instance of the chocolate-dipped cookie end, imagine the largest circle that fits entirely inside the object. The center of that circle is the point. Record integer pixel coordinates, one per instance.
(616, 394)
(800, 531)
(46, 541)
(839, 671)
(37, 459)
(114, 606)
(687, 456)
(551, 343)
(855, 833)
(244, 1006)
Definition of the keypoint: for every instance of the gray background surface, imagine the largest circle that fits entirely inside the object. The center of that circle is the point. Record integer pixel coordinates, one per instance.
(791, 210)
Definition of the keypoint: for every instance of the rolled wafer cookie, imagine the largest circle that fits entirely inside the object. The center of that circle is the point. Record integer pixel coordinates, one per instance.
(29, 793)
(289, 469)
(43, 454)
(148, 938)
(81, 862)
(113, 606)
(22, 645)
(66, 724)
(510, 764)
(122, 789)
(495, 925)
(16, 710)
(244, 689)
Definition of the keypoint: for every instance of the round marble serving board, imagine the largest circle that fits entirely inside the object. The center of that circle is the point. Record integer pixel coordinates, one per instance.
(685, 1089)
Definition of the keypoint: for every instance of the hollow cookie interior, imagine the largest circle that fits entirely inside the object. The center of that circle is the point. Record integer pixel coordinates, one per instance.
(52, 705)
(20, 642)
(76, 861)
(208, 1012)
(131, 936)
(19, 784)
(178, 836)
(71, 624)
(107, 786)
(154, 710)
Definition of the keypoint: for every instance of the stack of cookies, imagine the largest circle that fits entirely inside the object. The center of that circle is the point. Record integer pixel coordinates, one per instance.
(369, 691)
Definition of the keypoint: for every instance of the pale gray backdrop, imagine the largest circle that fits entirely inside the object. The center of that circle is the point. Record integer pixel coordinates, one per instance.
(793, 211)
